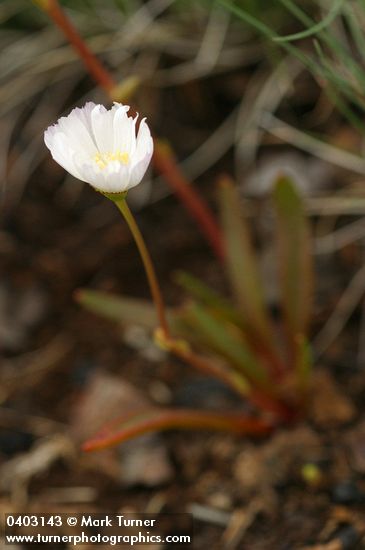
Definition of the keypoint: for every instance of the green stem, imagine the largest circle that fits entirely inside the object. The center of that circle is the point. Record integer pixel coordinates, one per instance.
(147, 262)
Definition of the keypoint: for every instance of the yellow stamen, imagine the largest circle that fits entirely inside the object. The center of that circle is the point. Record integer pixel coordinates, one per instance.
(103, 159)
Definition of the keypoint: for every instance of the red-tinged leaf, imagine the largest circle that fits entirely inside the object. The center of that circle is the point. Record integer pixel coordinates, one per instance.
(208, 297)
(152, 420)
(295, 259)
(242, 267)
(216, 335)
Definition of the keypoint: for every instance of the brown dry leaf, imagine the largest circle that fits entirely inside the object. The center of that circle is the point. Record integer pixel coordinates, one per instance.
(280, 458)
(330, 407)
(105, 398)
(332, 545)
(140, 461)
(355, 442)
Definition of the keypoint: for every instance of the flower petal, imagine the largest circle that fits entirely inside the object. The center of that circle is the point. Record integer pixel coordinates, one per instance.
(84, 113)
(91, 144)
(124, 131)
(57, 143)
(144, 144)
(102, 125)
(117, 177)
(74, 126)
(139, 170)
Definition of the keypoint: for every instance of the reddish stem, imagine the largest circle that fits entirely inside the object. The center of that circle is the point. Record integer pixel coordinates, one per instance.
(93, 65)
(164, 163)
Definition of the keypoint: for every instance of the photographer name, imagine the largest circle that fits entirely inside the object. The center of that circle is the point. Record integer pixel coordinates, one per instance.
(118, 521)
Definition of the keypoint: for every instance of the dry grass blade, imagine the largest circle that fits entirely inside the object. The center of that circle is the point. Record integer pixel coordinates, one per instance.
(346, 305)
(341, 237)
(329, 153)
(263, 94)
(335, 206)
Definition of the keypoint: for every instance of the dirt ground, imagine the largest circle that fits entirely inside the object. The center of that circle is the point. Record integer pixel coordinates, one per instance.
(66, 371)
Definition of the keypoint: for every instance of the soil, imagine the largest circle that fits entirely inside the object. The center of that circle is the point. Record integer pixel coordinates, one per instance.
(64, 369)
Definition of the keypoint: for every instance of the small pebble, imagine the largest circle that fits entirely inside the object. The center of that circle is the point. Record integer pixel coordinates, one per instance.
(347, 493)
(348, 536)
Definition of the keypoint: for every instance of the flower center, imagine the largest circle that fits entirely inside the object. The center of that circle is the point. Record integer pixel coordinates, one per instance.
(103, 159)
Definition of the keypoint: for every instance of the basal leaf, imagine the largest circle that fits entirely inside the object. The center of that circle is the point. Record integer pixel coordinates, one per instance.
(208, 297)
(118, 308)
(242, 267)
(295, 259)
(223, 338)
(152, 420)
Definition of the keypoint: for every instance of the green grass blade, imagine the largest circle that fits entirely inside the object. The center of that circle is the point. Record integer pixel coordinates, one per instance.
(316, 28)
(356, 30)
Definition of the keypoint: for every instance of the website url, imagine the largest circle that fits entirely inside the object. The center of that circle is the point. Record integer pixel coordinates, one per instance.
(83, 538)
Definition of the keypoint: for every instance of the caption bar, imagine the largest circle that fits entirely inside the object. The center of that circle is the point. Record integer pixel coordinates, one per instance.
(113, 529)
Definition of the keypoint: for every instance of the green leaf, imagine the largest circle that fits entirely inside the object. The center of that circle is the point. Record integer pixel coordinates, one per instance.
(126, 311)
(208, 297)
(225, 339)
(304, 363)
(152, 420)
(295, 259)
(242, 267)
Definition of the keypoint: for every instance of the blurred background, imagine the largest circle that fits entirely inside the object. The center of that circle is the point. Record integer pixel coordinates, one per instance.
(251, 89)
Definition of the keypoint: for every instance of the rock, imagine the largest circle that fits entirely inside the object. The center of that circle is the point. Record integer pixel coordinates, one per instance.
(144, 461)
(348, 537)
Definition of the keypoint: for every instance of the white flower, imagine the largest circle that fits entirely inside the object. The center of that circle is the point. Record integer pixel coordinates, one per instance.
(100, 146)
